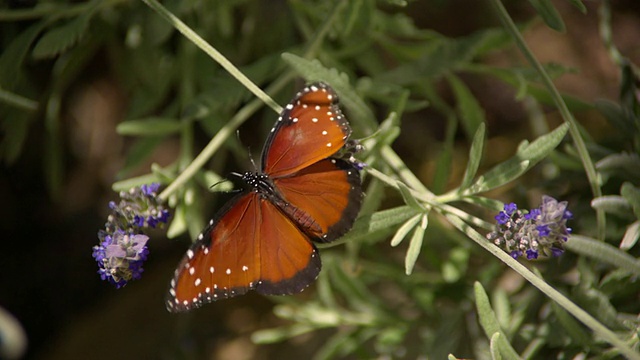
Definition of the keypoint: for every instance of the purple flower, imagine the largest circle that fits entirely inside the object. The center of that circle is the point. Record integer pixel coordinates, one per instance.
(122, 247)
(120, 257)
(539, 231)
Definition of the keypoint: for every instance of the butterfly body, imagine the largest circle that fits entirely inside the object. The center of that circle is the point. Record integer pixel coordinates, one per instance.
(263, 238)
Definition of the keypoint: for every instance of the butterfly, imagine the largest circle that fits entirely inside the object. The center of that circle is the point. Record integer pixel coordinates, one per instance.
(263, 239)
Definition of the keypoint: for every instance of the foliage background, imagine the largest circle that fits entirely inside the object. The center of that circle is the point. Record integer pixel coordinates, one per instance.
(105, 62)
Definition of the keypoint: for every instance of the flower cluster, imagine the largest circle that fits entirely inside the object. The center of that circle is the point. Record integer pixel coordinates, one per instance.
(123, 246)
(541, 230)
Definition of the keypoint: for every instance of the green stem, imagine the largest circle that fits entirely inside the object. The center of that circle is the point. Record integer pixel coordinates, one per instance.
(562, 106)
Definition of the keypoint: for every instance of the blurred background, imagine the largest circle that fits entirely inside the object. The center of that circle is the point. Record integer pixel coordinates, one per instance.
(127, 63)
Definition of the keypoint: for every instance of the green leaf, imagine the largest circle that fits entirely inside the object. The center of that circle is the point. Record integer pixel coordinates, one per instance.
(549, 14)
(625, 164)
(494, 346)
(572, 327)
(125, 185)
(631, 236)
(378, 225)
(13, 55)
(61, 38)
(489, 323)
(415, 245)
(178, 224)
(270, 336)
(527, 156)
(632, 195)
(15, 127)
(612, 204)
(499, 175)
(475, 155)
(153, 126)
(604, 253)
(139, 151)
(404, 230)
(578, 4)
(408, 197)
(471, 113)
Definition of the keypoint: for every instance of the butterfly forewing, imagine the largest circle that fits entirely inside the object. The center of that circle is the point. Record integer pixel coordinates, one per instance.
(311, 128)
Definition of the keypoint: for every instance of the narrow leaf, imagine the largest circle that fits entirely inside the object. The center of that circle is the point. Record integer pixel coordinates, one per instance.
(475, 155)
(604, 253)
(549, 14)
(471, 113)
(415, 245)
(578, 4)
(489, 323)
(494, 346)
(632, 195)
(153, 126)
(612, 204)
(408, 198)
(404, 230)
(631, 236)
(377, 225)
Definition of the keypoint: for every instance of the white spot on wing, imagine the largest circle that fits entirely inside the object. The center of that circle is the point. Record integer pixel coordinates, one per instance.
(328, 144)
(315, 120)
(245, 268)
(197, 282)
(211, 269)
(190, 254)
(192, 270)
(324, 132)
(228, 271)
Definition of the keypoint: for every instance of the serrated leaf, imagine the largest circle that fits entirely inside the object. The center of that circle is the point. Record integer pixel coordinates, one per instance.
(153, 126)
(489, 323)
(630, 238)
(475, 155)
(415, 245)
(405, 229)
(549, 14)
(470, 111)
(61, 38)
